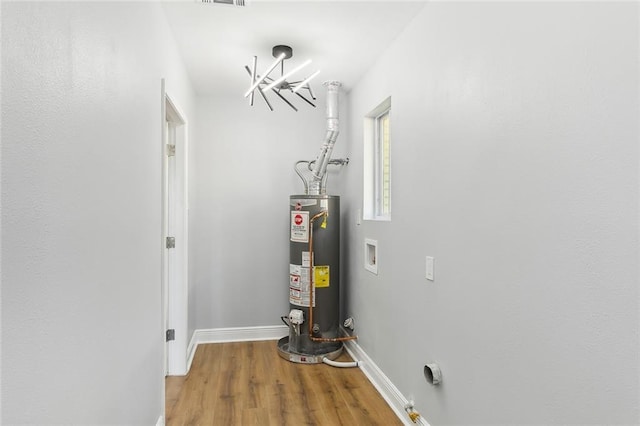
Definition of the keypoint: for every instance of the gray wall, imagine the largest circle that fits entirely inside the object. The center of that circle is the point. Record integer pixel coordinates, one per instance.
(515, 164)
(82, 339)
(242, 177)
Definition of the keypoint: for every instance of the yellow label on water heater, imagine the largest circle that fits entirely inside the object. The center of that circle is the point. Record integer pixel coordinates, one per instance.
(321, 276)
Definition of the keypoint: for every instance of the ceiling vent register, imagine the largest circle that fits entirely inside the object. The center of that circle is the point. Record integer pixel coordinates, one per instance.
(227, 2)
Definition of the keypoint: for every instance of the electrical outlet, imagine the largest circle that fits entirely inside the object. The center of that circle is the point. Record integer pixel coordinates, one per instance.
(429, 268)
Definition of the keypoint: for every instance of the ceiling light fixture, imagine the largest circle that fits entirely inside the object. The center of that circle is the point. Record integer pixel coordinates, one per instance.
(279, 85)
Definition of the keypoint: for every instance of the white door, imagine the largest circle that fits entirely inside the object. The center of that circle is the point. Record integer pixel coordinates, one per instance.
(174, 238)
(169, 226)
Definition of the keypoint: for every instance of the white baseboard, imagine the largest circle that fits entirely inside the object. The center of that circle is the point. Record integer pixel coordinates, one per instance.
(233, 334)
(160, 421)
(381, 382)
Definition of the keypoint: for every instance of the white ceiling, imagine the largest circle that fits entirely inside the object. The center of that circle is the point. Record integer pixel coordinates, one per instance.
(342, 38)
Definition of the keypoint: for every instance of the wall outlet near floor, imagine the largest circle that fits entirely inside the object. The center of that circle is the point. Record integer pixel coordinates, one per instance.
(429, 268)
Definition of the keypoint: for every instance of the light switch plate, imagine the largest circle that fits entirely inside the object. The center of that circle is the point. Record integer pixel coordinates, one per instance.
(429, 268)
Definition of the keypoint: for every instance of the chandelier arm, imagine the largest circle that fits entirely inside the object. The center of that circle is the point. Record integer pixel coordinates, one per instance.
(305, 99)
(284, 99)
(260, 91)
(290, 73)
(305, 82)
(266, 100)
(256, 83)
(253, 78)
(311, 92)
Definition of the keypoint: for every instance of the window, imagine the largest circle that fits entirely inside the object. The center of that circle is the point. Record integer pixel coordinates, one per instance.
(382, 169)
(377, 165)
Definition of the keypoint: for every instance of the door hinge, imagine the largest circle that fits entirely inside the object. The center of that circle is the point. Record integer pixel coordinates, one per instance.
(171, 334)
(171, 242)
(171, 150)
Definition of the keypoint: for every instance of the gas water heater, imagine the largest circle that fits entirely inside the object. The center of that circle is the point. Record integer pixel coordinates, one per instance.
(314, 257)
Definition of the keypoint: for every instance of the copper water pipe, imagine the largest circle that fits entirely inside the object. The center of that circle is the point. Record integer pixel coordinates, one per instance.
(311, 288)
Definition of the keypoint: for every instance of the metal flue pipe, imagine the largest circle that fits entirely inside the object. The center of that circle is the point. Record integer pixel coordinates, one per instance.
(322, 161)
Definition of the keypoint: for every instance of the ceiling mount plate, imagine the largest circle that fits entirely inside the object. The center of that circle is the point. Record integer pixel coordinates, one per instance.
(280, 49)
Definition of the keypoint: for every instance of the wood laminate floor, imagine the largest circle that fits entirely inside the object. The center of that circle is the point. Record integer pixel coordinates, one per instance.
(248, 383)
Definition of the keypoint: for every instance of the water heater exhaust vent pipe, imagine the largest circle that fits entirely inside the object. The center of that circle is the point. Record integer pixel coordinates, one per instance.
(333, 129)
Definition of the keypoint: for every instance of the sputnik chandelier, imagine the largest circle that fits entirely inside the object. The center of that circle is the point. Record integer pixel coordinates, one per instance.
(263, 83)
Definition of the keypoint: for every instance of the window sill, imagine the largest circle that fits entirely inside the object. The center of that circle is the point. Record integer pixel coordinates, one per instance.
(378, 219)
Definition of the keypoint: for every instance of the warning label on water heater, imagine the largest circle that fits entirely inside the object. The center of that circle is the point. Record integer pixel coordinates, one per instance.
(300, 226)
(299, 286)
(321, 276)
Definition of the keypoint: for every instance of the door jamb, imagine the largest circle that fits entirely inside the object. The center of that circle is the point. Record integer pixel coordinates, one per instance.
(175, 358)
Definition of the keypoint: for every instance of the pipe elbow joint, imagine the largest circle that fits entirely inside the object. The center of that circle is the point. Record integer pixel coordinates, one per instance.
(333, 124)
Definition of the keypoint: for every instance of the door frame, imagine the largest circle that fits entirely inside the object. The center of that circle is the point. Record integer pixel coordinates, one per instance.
(175, 285)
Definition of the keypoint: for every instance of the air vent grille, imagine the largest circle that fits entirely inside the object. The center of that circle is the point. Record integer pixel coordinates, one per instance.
(227, 2)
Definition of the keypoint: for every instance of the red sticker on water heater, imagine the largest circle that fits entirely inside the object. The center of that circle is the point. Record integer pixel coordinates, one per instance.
(300, 227)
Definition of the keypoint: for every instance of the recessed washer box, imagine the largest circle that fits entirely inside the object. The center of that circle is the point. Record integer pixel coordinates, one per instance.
(371, 259)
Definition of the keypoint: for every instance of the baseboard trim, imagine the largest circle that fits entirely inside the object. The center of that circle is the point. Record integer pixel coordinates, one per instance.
(191, 350)
(381, 382)
(233, 334)
(160, 421)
